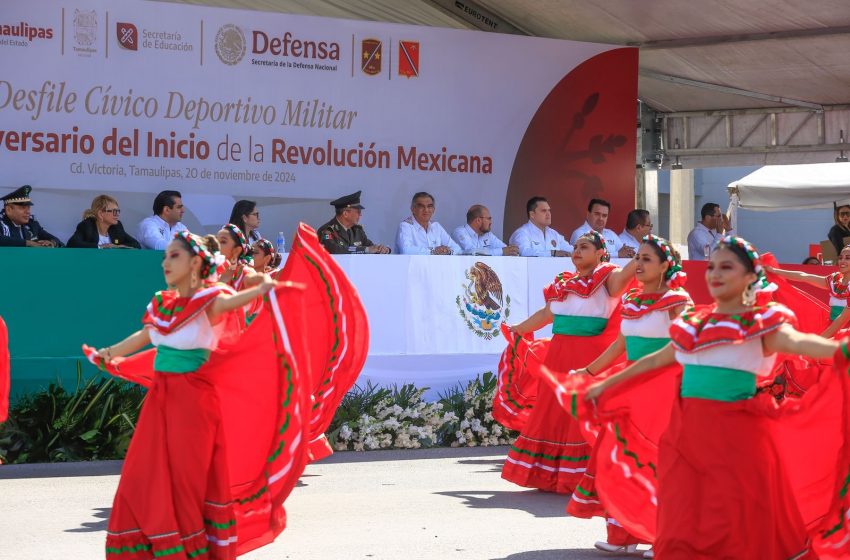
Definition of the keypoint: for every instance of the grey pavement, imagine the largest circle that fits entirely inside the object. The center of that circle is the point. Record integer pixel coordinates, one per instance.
(379, 505)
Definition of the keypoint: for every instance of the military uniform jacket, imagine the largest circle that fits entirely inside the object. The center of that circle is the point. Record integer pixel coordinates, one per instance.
(339, 241)
(17, 236)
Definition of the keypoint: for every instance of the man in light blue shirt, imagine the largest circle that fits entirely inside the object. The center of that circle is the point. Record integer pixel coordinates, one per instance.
(157, 231)
(475, 238)
(536, 238)
(418, 235)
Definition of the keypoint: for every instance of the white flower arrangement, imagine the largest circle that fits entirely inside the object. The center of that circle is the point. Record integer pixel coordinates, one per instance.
(402, 419)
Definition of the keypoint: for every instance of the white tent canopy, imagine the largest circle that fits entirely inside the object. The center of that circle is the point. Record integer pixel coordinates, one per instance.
(793, 187)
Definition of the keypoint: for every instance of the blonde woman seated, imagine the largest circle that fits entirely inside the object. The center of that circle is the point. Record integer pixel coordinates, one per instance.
(101, 228)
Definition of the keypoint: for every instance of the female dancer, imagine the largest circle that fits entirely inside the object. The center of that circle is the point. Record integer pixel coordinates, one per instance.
(646, 313)
(181, 496)
(836, 283)
(723, 488)
(551, 453)
(266, 258)
(237, 252)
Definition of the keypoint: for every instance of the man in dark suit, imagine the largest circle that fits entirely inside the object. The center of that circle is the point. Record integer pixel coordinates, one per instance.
(18, 227)
(343, 235)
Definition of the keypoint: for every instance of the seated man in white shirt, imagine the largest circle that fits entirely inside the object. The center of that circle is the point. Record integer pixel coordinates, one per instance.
(475, 238)
(157, 231)
(536, 238)
(638, 225)
(418, 235)
(597, 217)
(712, 227)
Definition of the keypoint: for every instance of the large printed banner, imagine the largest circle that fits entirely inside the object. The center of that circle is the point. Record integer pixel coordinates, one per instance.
(132, 97)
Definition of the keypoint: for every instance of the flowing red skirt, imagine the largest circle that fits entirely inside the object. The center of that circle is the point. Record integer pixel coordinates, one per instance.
(750, 479)
(551, 452)
(216, 452)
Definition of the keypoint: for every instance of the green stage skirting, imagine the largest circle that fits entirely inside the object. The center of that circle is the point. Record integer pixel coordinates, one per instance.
(54, 300)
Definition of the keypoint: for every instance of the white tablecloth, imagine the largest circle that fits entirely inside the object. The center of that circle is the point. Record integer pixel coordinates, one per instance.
(421, 329)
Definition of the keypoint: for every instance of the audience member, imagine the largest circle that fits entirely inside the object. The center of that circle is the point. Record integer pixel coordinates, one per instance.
(246, 217)
(157, 231)
(418, 235)
(475, 238)
(597, 218)
(841, 229)
(18, 227)
(638, 224)
(101, 228)
(712, 227)
(811, 260)
(343, 234)
(536, 238)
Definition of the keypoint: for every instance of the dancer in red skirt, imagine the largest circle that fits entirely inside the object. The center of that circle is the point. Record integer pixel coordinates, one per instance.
(551, 453)
(732, 482)
(647, 313)
(836, 283)
(222, 436)
(237, 253)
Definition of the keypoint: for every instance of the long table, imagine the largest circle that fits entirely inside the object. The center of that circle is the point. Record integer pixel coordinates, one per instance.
(422, 310)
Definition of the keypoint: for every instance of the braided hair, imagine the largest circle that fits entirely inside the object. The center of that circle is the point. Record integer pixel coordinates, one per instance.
(599, 242)
(205, 247)
(242, 241)
(674, 277)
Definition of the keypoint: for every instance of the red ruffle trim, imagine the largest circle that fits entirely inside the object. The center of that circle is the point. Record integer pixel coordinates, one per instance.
(571, 283)
(701, 328)
(637, 303)
(167, 311)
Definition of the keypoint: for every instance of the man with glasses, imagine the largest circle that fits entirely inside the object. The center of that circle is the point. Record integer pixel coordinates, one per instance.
(18, 227)
(418, 235)
(344, 235)
(475, 238)
(157, 231)
(711, 228)
(638, 224)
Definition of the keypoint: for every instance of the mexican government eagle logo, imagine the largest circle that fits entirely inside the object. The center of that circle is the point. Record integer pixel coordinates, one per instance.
(482, 305)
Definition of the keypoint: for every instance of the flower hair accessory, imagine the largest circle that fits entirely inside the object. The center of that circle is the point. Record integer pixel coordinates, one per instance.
(675, 277)
(245, 257)
(762, 284)
(209, 258)
(597, 239)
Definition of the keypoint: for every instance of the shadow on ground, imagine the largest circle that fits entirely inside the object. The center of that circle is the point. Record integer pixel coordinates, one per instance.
(102, 514)
(538, 504)
(568, 554)
(495, 464)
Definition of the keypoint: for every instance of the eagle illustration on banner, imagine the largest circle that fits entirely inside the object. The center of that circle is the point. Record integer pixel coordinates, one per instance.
(482, 305)
(370, 57)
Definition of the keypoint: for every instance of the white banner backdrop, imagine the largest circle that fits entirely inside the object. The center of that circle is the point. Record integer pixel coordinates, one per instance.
(418, 333)
(132, 97)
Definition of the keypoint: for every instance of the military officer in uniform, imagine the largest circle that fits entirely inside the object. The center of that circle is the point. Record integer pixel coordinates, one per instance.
(18, 228)
(343, 235)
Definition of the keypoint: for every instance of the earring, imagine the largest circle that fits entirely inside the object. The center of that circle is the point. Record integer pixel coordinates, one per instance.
(194, 282)
(660, 282)
(748, 298)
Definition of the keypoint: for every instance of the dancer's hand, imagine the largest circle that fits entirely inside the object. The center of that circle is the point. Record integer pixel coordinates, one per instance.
(595, 391)
(580, 371)
(105, 354)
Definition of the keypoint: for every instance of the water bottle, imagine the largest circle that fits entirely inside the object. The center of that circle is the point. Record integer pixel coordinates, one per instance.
(281, 247)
